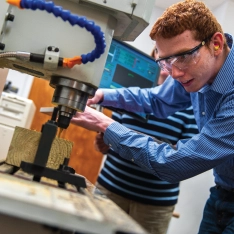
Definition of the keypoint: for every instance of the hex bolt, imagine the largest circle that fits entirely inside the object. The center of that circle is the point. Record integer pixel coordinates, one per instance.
(2, 46)
(10, 17)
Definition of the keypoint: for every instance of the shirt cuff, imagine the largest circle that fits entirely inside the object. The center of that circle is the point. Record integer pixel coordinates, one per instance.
(110, 97)
(113, 135)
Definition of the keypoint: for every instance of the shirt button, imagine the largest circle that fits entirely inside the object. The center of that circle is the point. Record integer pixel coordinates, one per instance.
(110, 145)
(203, 113)
(133, 159)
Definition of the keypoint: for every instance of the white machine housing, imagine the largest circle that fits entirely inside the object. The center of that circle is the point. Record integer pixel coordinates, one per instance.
(32, 31)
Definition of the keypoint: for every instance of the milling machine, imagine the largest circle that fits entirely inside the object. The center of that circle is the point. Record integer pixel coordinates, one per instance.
(65, 42)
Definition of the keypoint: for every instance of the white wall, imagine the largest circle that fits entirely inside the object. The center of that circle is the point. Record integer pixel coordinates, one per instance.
(193, 195)
(224, 15)
(195, 191)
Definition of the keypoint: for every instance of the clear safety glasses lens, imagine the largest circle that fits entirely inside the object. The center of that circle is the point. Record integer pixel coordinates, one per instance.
(181, 62)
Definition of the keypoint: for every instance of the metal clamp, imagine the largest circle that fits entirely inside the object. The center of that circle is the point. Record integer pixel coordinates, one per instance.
(51, 58)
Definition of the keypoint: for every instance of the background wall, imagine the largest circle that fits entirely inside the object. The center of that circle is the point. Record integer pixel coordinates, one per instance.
(224, 14)
(3, 76)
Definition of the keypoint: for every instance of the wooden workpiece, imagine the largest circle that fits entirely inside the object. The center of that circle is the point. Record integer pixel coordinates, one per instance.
(24, 145)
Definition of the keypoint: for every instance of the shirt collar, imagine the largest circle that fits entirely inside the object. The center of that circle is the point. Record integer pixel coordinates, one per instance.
(225, 77)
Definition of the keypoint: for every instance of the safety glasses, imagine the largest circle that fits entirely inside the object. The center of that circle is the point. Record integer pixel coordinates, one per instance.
(182, 60)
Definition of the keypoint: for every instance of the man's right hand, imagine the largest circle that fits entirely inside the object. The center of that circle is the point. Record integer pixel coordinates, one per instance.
(92, 120)
(98, 97)
(99, 144)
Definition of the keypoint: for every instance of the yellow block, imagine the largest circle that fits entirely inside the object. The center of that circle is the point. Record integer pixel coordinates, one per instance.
(24, 145)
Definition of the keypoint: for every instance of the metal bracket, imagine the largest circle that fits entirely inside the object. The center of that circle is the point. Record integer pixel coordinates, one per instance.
(64, 174)
(51, 58)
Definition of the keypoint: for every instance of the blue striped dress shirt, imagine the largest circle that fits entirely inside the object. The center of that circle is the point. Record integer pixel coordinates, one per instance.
(213, 108)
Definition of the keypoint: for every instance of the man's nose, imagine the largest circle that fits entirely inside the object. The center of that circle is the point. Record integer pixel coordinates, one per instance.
(176, 72)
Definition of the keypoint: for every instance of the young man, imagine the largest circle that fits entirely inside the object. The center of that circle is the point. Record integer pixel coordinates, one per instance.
(146, 198)
(199, 57)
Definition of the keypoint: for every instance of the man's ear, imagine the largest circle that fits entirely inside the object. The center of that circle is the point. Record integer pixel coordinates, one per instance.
(218, 43)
